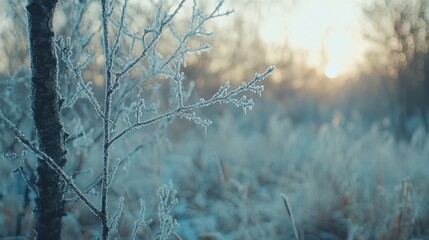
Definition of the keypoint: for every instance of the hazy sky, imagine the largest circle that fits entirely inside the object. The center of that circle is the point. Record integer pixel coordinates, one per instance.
(328, 30)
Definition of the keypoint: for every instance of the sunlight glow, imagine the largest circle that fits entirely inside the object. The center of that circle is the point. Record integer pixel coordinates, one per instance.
(332, 70)
(328, 31)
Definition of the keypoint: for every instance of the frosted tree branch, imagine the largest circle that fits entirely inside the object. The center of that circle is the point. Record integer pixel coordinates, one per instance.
(18, 135)
(120, 30)
(65, 49)
(90, 190)
(156, 31)
(221, 96)
(195, 28)
(140, 220)
(115, 218)
(105, 14)
(20, 170)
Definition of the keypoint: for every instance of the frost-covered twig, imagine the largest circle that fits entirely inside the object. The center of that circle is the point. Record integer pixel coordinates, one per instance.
(18, 134)
(157, 30)
(90, 190)
(222, 96)
(120, 30)
(112, 174)
(289, 212)
(144, 123)
(115, 218)
(20, 170)
(79, 134)
(64, 47)
(140, 220)
(167, 200)
(106, 121)
(195, 28)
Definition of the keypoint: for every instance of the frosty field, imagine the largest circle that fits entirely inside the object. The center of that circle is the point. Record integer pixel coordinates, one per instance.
(342, 182)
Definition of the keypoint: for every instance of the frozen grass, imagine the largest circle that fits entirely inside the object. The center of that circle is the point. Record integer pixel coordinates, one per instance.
(341, 183)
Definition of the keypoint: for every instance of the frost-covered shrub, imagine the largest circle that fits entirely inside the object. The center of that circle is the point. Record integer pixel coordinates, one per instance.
(141, 69)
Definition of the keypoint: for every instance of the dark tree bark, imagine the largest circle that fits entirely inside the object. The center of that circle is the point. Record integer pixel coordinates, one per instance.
(49, 203)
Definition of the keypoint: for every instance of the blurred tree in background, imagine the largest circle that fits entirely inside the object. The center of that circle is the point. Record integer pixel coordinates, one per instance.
(400, 30)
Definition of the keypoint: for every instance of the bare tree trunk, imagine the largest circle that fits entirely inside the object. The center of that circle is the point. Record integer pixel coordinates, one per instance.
(49, 203)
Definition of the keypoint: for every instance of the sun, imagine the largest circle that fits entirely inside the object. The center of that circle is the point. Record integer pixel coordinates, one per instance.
(332, 70)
